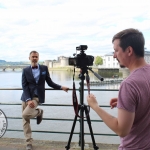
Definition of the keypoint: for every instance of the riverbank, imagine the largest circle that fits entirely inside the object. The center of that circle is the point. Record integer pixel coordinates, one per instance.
(19, 144)
(69, 68)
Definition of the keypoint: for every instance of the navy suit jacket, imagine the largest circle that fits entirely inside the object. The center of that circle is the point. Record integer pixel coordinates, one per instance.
(29, 84)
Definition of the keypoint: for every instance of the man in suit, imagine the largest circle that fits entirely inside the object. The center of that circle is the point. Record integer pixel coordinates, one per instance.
(33, 84)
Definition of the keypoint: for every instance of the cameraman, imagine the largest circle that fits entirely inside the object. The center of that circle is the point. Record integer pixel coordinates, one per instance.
(133, 102)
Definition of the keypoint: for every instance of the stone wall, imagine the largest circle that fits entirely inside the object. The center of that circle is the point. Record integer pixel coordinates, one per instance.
(61, 62)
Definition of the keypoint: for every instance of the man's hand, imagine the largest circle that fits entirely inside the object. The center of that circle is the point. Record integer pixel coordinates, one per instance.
(113, 102)
(91, 99)
(65, 88)
(31, 103)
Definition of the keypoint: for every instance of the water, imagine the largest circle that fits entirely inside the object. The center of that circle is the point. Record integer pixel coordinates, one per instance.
(13, 80)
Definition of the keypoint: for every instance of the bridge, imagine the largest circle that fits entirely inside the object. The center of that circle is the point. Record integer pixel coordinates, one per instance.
(12, 67)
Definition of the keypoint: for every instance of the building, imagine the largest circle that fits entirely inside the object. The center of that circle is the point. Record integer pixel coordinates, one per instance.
(147, 56)
(61, 61)
(110, 62)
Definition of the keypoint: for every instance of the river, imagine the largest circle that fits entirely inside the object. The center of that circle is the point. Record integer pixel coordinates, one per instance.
(10, 79)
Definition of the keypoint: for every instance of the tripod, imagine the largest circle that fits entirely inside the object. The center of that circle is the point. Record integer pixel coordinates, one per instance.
(82, 108)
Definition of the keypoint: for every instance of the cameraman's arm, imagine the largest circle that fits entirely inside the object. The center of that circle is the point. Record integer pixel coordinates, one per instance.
(120, 125)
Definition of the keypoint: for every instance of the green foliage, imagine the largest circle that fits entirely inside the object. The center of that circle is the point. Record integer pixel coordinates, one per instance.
(98, 61)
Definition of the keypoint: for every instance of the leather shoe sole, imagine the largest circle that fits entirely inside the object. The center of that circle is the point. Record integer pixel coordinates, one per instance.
(40, 117)
(29, 147)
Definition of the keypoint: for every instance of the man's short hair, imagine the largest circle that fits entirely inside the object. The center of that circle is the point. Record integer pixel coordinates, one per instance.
(33, 52)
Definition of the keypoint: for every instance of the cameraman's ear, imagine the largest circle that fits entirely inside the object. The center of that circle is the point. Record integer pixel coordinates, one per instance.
(130, 50)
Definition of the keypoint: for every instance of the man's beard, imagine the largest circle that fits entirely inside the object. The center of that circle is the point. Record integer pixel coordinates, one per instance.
(121, 66)
(34, 62)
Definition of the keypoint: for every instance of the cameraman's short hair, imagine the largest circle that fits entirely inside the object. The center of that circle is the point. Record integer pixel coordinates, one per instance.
(131, 37)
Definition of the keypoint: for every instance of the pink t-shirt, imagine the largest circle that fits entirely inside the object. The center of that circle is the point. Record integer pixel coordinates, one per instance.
(134, 96)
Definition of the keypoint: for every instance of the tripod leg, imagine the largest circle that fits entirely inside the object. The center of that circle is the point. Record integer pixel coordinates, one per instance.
(90, 127)
(72, 130)
(82, 127)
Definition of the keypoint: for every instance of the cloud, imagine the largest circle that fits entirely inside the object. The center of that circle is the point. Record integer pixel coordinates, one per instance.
(56, 27)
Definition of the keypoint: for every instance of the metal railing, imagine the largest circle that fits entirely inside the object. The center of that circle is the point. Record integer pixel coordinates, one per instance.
(58, 119)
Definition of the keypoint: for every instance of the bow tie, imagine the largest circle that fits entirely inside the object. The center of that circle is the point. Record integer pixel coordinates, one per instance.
(34, 67)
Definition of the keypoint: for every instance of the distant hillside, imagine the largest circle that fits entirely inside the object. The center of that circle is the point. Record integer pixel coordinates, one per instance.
(2, 61)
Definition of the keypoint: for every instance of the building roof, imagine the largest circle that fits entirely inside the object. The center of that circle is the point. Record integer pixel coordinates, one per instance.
(147, 52)
(110, 54)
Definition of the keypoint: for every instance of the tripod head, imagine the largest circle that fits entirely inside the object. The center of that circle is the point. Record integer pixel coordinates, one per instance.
(85, 70)
(96, 74)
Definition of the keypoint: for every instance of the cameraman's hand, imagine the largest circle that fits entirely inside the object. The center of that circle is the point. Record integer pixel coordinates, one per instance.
(65, 88)
(91, 99)
(113, 102)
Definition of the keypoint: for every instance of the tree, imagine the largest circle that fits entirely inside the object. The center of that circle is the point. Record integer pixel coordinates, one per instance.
(98, 61)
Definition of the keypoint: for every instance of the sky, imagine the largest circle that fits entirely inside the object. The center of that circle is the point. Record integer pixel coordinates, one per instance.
(56, 27)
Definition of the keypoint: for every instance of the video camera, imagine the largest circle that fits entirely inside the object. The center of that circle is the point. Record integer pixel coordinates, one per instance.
(81, 60)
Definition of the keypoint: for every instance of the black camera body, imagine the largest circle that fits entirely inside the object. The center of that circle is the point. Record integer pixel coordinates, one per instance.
(81, 60)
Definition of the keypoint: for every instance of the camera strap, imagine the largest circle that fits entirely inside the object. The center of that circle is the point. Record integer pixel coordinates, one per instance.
(74, 97)
(75, 101)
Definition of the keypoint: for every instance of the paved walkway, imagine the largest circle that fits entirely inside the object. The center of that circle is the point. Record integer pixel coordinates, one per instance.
(19, 144)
